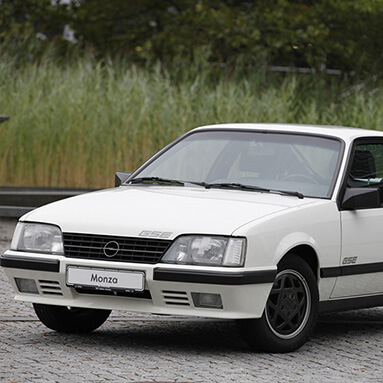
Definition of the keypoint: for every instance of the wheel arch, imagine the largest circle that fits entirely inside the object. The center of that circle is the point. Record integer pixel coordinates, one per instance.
(307, 254)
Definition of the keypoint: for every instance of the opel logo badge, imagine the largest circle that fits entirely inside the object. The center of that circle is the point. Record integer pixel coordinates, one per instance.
(111, 249)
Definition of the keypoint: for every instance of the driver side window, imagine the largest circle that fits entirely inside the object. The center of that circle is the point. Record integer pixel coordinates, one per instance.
(367, 166)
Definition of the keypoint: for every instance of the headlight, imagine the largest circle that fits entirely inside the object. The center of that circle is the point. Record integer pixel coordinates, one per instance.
(38, 238)
(209, 251)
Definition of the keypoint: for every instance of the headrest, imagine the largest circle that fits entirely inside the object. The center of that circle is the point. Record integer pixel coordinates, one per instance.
(363, 165)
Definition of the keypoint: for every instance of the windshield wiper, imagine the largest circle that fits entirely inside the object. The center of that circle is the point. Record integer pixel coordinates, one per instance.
(235, 185)
(230, 185)
(288, 192)
(203, 184)
(251, 187)
(156, 180)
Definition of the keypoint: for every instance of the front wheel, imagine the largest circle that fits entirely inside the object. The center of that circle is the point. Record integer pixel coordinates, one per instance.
(290, 313)
(70, 319)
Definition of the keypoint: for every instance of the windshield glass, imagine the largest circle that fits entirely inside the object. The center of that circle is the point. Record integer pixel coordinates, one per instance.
(276, 161)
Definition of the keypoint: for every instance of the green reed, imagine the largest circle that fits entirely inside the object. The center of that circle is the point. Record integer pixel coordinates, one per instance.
(76, 124)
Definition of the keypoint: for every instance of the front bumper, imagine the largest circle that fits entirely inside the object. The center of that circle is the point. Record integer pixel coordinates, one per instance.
(169, 289)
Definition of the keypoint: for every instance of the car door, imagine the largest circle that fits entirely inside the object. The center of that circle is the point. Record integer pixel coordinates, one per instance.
(361, 264)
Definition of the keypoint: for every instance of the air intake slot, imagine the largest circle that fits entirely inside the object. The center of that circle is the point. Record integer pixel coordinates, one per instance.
(50, 287)
(175, 298)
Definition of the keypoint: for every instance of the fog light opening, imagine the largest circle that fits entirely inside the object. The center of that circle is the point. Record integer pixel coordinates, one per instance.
(212, 301)
(26, 286)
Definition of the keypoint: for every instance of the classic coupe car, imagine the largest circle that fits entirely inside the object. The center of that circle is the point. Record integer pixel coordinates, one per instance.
(265, 224)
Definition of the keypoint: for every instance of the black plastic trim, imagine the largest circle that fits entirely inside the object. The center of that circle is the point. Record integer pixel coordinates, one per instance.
(361, 198)
(350, 158)
(337, 305)
(28, 263)
(121, 177)
(215, 278)
(136, 294)
(330, 272)
(368, 268)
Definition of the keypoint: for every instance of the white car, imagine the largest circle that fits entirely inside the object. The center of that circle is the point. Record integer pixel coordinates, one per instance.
(267, 224)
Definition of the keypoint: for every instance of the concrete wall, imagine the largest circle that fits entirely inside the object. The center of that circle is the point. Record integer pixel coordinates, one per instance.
(16, 201)
(7, 227)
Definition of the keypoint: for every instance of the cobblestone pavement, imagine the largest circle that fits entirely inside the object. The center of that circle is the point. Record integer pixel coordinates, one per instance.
(345, 347)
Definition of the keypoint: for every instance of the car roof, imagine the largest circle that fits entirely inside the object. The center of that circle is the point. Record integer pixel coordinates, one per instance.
(345, 133)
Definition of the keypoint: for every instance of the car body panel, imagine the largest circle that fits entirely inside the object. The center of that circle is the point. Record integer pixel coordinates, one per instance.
(362, 244)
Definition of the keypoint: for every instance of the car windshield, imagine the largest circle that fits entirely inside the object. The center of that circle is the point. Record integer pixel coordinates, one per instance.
(272, 161)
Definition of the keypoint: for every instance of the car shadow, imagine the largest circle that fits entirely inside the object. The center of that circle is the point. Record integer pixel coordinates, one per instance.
(198, 336)
(355, 323)
(206, 336)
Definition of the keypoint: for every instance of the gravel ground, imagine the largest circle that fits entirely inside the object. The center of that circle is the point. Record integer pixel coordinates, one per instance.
(346, 347)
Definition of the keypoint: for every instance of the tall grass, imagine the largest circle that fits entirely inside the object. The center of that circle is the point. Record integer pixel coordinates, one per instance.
(74, 125)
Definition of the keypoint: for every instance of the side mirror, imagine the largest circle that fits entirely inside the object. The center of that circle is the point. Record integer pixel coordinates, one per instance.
(120, 178)
(361, 198)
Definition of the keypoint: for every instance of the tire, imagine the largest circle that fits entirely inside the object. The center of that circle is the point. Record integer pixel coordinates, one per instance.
(290, 313)
(70, 320)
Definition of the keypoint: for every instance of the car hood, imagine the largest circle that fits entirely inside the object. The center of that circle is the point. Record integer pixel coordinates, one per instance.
(131, 210)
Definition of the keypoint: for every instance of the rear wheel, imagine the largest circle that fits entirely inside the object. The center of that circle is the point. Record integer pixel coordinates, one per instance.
(70, 319)
(290, 313)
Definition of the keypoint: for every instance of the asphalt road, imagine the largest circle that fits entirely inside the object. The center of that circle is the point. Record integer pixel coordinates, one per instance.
(345, 347)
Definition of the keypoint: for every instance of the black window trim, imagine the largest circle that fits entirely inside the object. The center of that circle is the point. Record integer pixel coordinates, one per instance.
(350, 158)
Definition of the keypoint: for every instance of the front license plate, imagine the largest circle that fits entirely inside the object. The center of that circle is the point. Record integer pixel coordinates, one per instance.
(105, 279)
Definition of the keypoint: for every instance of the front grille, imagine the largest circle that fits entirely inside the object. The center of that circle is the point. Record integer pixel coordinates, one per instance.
(89, 246)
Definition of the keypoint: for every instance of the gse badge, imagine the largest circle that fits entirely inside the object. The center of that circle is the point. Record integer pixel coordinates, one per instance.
(349, 260)
(155, 234)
